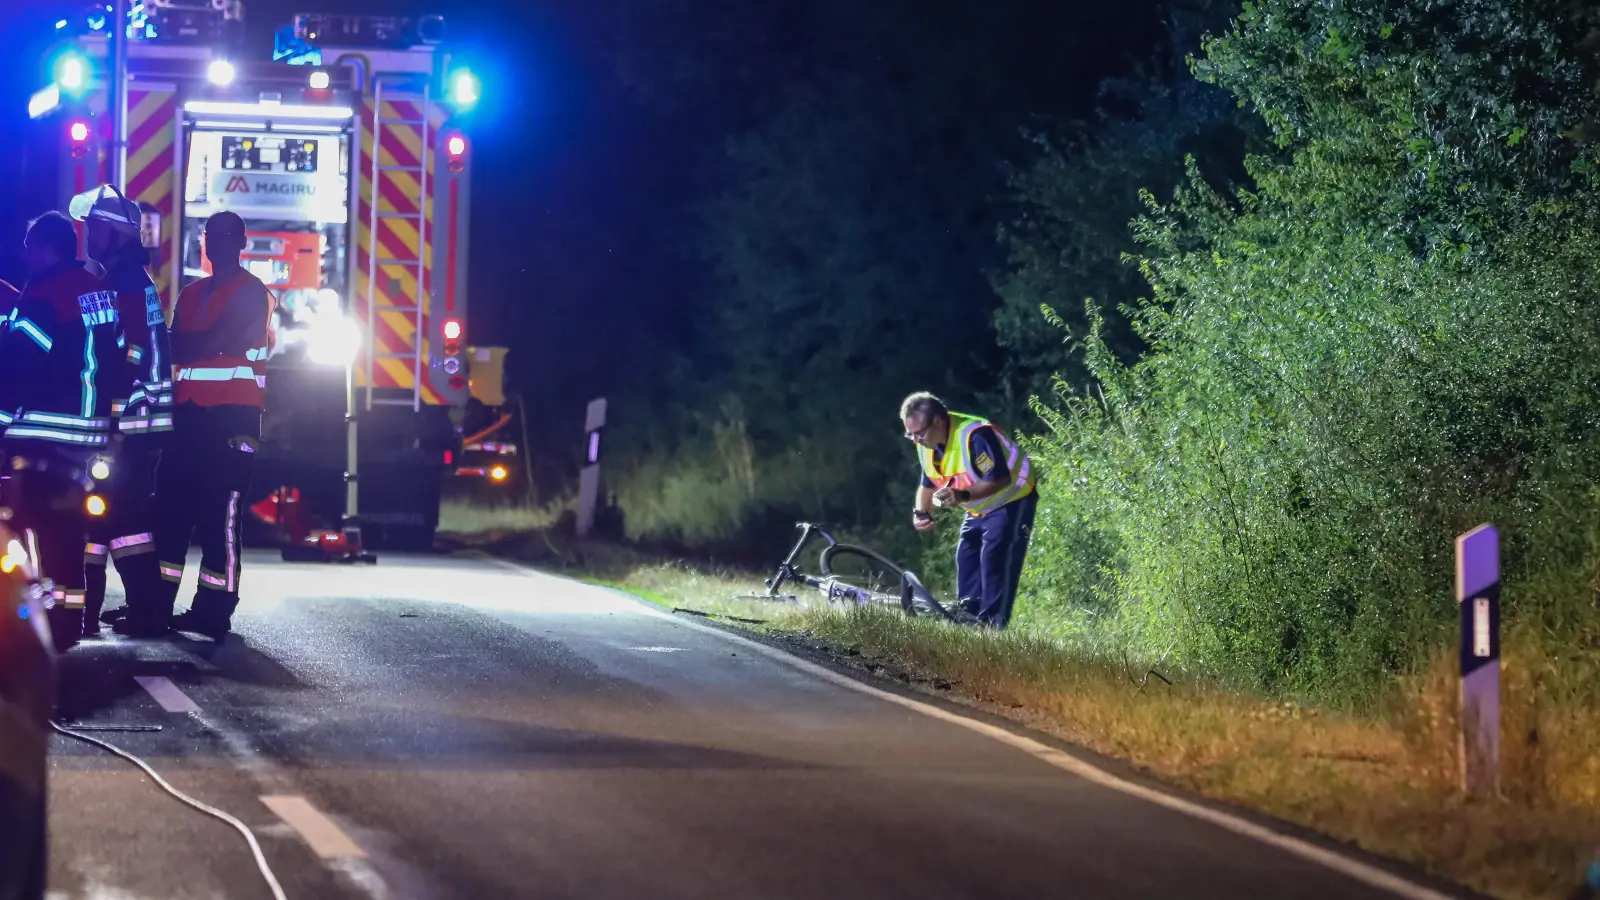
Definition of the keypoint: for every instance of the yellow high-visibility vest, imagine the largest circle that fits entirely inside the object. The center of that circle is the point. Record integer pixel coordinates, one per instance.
(955, 468)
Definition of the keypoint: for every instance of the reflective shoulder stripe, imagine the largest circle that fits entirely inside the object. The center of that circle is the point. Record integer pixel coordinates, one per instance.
(27, 327)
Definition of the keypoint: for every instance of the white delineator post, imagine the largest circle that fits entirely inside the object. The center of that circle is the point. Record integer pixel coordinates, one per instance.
(589, 478)
(1478, 594)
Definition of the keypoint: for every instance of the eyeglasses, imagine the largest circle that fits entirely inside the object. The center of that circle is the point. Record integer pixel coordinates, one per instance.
(919, 434)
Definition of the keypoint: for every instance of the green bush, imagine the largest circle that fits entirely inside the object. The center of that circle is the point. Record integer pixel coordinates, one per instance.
(1392, 338)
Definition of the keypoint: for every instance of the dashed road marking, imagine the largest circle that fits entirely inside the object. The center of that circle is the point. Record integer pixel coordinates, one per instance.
(325, 838)
(658, 649)
(167, 694)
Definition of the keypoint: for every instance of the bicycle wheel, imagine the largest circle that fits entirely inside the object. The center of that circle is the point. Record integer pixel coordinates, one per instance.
(862, 568)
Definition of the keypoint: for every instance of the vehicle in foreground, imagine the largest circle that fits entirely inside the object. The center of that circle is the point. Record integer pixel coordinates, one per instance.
(27, 696)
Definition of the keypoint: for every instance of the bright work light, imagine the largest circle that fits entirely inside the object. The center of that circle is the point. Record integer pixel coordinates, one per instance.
(220, 72)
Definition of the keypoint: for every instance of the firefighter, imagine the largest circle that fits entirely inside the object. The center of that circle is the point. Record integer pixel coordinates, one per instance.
(60, 355)
(144, 424)
(969, 463)
(221, 339)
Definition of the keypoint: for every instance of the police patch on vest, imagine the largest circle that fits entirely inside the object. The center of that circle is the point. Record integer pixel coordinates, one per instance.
(984, 463)
(98, 308)
(152, 306)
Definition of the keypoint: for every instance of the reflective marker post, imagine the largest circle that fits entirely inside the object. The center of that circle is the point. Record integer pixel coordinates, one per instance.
(1478, 593)
(589, 478)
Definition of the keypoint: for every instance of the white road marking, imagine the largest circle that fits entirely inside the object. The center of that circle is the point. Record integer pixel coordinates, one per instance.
(325, 838)
(1337, 862)
(658, 649)
(167, 694)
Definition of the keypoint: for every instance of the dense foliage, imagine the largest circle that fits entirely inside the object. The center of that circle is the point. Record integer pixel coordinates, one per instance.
(1361, 314)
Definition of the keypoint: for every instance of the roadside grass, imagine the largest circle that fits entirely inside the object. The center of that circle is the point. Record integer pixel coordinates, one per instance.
(722, 593)
(1385, 780)
(467, 517)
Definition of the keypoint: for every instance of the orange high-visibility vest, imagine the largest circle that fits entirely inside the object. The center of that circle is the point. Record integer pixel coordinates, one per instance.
(222, 380)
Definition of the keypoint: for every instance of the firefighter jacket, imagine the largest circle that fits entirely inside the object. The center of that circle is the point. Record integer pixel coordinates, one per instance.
(221, 338)
(62, 358)
(147, 408)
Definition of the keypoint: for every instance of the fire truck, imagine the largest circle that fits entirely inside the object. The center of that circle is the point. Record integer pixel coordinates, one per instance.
(347, 154)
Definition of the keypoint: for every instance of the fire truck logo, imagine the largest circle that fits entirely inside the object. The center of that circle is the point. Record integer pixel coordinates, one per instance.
(237, 185)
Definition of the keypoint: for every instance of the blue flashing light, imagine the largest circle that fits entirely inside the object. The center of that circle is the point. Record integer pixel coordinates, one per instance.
(72, 73)
(465, 89)
(60, 24)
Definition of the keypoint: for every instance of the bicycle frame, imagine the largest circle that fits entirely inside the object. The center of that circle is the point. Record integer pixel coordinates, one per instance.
(786, 571)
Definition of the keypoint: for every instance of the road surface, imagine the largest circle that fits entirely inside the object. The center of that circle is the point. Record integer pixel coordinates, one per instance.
(447, 727)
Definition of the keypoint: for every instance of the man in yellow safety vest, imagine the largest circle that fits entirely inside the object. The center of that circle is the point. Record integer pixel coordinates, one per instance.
(968, 462)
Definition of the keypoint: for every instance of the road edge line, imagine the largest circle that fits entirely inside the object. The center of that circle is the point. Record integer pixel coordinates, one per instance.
(1332, 860)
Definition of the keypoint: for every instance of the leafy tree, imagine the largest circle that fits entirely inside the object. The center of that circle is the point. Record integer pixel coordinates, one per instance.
(1069, 237)
(1389, 339)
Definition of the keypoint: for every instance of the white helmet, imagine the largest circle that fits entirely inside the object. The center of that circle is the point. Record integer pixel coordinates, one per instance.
(107, 204)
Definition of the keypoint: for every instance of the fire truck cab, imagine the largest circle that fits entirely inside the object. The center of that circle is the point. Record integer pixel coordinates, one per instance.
(347, 155)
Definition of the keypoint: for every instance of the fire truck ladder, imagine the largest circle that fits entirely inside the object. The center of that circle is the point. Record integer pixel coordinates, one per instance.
(414, 355)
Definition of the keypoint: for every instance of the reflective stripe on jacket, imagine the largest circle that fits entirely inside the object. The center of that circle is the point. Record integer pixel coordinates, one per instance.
(955, 470)
(148, 407)
(61, 353)
(237, 373)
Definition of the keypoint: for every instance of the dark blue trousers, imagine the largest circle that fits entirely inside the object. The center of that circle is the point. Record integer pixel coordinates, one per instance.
(989, 559)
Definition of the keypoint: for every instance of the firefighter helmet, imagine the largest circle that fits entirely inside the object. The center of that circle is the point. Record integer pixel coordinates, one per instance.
(107, 204)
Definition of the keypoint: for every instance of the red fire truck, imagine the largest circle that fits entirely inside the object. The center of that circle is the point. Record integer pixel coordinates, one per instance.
(348, 156)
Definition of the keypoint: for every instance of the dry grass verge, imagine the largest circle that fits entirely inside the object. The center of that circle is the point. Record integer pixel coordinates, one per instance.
(1386, 781)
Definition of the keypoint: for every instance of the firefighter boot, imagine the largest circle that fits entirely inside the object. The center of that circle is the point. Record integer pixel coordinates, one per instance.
(94, 598)
(153, 616)
(66, 625)
(198, 620)
(148, 612)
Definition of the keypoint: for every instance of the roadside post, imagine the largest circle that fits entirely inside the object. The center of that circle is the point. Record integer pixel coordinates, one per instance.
(1478, 594)
(589, 478)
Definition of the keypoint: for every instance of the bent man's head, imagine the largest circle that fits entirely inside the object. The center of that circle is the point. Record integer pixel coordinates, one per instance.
(926, 419)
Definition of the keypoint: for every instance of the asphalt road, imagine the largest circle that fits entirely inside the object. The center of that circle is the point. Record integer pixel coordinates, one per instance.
(440, 728)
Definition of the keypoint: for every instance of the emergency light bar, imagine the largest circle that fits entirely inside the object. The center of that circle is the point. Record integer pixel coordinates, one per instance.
(270, 110)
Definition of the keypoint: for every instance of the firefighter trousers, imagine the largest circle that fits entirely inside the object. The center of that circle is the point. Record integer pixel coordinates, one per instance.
(46, 489)
(125, 535)
(200, 495)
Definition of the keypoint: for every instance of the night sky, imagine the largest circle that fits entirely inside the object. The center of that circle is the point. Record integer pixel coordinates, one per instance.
(579, 190)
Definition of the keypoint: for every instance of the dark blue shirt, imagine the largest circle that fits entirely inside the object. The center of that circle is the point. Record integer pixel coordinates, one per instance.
(988, 459)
